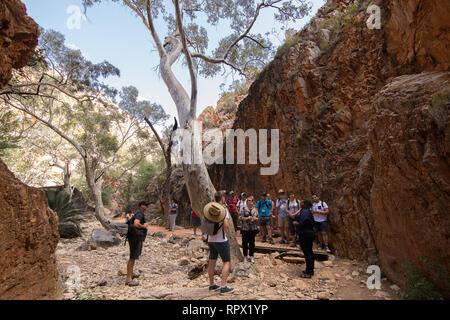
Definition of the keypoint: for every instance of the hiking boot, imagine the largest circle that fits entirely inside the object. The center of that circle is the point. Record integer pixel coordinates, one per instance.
(252, 260)
(132, 283)
(214, 287)
(245, 259)
(271, 241)
(226, 290)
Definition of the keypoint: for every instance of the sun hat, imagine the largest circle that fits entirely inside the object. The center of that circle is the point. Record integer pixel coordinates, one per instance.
(214, 212)
(281, 191)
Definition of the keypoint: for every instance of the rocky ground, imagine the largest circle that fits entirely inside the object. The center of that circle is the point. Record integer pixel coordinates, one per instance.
(169, 256)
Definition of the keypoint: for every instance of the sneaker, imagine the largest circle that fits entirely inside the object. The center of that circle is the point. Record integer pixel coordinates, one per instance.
(195, 234)
(214, 287)
(327, 249)
(293, 245)
(263, 239)
(133, 283)
(252, 260)
(245, 259)
(226, 290)
(271, 241)
(282, 241)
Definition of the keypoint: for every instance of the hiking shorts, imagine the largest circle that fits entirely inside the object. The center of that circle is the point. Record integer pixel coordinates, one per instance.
(321, 226)
(219, 248)
(196, 222)
(135, 249)
(265, 221)
(283, 222)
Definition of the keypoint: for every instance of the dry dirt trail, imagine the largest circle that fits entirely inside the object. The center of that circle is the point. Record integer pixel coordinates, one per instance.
(169, 256)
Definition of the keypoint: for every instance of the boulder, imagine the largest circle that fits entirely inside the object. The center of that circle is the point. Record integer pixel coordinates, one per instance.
(101, 238)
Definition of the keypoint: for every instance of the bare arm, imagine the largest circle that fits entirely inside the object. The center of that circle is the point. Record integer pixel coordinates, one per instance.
(137, 224)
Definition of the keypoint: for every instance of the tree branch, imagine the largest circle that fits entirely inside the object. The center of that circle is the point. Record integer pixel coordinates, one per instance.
(193, 75)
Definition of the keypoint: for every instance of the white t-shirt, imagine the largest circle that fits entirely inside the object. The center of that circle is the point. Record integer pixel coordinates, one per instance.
(293, 205)
(242, 204)
(219, 236)
(320, 206)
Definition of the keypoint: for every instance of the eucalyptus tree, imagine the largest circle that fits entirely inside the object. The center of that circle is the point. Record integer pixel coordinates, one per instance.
(153, 114)
(186, 37)
(62, 90)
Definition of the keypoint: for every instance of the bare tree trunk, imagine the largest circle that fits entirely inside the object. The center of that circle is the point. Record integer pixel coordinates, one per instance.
(166, 191)
(66, 177)
(95, 187)
(201, 192)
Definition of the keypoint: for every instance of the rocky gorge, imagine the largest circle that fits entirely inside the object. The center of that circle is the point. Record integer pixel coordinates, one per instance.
(363, 120)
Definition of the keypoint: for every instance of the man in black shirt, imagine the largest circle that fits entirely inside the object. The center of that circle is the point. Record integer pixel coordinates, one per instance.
(137, 232)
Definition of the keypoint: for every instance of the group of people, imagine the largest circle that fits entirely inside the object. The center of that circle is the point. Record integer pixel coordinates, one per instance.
(299, 221)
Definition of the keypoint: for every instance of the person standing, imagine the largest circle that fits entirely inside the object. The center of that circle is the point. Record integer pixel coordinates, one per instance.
(249, 219)
(242, 202)
(137, 232)
(264, 207)
(173, 212)
(304, 227)
(274, 217)
(231, 202)
(196, 222)
(320, 212)
(293, 206)
(218, 244)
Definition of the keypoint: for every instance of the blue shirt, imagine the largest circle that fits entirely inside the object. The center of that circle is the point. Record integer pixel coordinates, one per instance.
(264, 207)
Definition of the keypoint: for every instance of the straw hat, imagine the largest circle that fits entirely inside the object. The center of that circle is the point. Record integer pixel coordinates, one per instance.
(214, 212)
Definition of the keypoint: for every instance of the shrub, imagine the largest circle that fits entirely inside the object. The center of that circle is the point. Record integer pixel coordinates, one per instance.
(419, 287)
(69, 215)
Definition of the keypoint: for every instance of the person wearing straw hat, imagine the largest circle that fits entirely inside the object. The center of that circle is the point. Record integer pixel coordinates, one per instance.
(218, 244)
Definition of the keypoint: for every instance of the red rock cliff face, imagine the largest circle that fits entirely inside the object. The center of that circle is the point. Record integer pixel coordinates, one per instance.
(28, 228)
(361, 125)
(28, 240)
(18, 37)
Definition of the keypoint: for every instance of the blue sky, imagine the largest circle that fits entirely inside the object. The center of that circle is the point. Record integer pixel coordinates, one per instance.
(114, 34)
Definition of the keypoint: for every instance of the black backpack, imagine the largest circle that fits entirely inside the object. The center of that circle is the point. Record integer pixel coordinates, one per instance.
(133, 233)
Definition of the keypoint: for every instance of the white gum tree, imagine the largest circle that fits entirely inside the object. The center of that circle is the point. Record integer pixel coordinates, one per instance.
(186, 37)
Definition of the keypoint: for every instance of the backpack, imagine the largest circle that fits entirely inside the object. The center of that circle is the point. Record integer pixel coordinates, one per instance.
(261, 203)
(211, 228)
(133, 233)
(289, 201)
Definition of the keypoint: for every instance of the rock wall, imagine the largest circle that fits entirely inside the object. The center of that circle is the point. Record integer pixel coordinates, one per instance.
(362, 126)
(18, 37)
(28, 240)
(28, 228)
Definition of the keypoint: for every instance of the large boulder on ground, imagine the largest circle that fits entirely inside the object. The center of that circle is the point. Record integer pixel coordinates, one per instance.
(28, 240)
(101, 238)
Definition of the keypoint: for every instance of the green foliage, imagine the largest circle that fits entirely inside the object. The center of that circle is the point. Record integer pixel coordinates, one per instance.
(440, 99)
(419, 287)
(8, 125)
(353, 9)
(146, 173)
(69, 215)
(107, 192)
(290, 42)
(253, 50)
